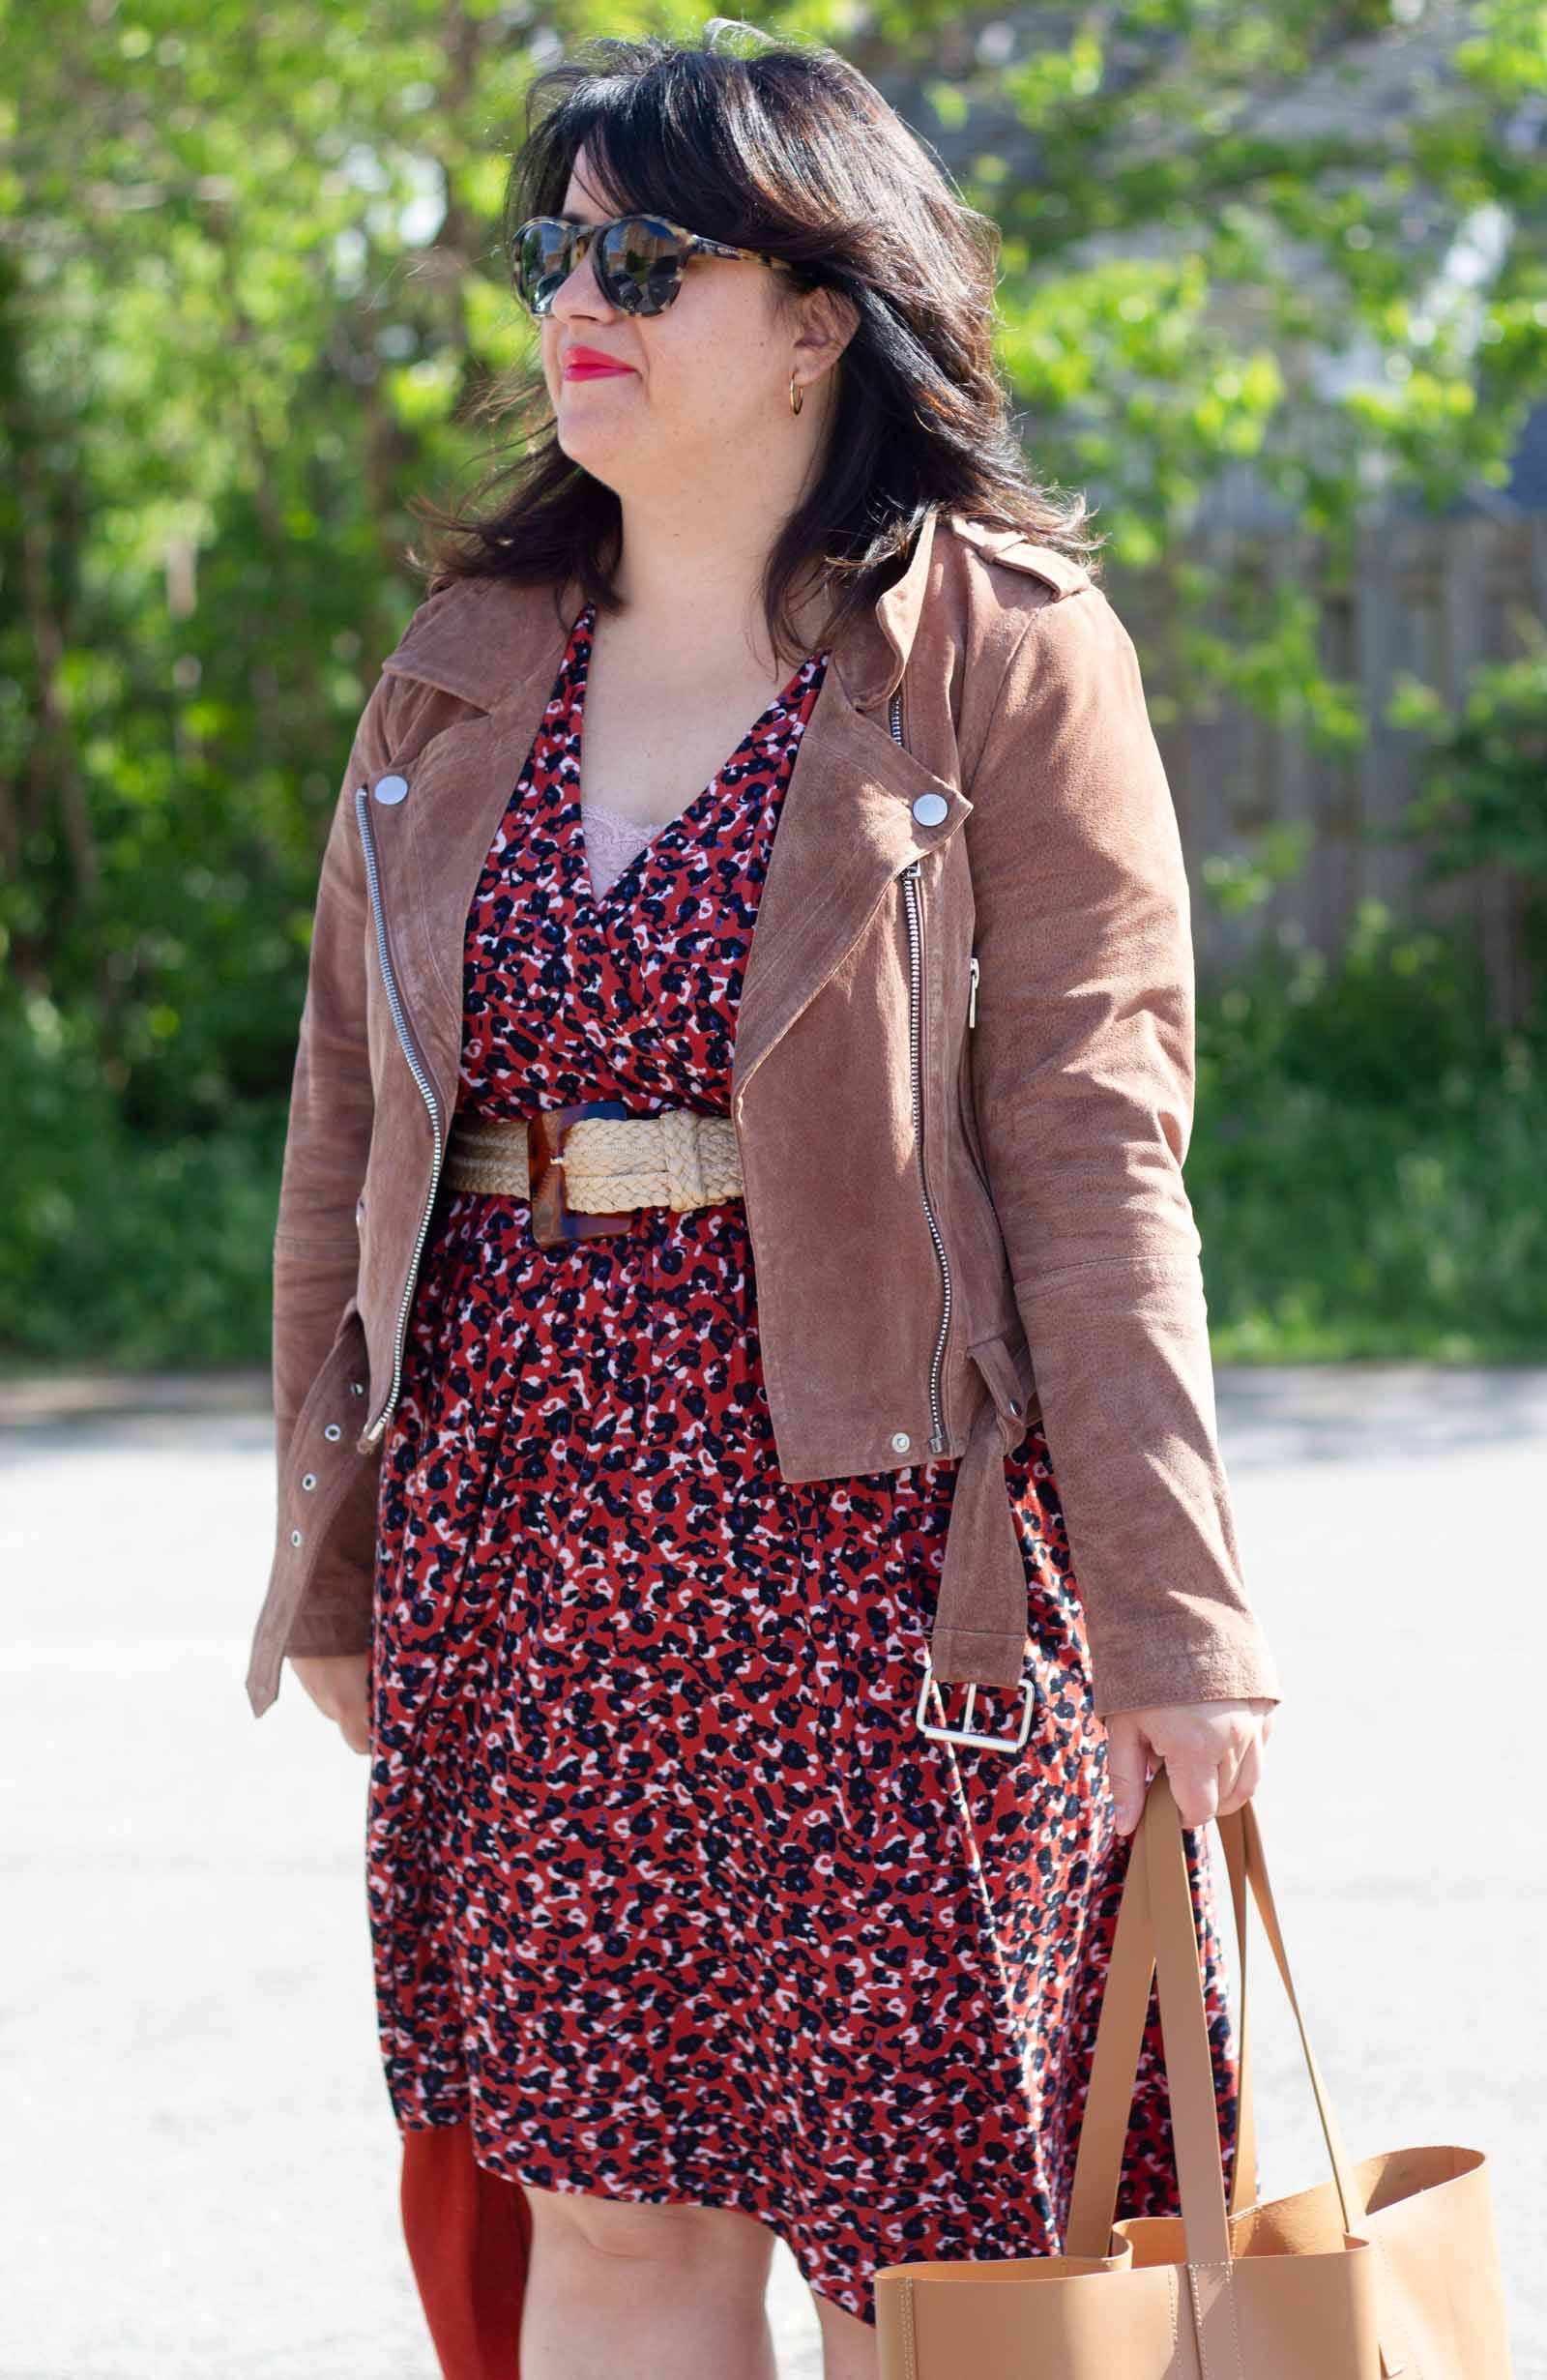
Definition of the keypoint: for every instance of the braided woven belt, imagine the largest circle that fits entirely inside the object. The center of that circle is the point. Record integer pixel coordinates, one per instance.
(586, 1168)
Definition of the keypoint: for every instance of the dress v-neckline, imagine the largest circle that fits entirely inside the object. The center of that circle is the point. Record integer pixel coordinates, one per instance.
(684, 821)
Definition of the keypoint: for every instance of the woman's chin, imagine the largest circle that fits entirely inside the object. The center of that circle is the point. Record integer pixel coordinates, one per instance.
(594, 445)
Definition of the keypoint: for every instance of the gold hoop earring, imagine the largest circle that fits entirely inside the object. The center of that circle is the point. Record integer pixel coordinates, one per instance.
(796, 395)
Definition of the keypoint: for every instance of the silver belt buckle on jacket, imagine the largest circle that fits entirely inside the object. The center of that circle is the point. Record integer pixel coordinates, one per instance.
(966, 1734)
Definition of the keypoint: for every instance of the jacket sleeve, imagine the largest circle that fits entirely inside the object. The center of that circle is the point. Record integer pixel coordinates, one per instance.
(316, 1240)
(1083, 1072)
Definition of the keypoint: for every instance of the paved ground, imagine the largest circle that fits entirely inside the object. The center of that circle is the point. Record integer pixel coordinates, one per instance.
(202, 2168)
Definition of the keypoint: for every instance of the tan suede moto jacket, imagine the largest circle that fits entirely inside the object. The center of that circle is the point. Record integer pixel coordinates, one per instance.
(961, 1087)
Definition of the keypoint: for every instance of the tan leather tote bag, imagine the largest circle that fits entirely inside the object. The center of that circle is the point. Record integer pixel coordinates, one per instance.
(1391, 2267)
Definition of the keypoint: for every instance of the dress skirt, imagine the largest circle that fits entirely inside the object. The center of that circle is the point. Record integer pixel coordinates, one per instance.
(670, 1898)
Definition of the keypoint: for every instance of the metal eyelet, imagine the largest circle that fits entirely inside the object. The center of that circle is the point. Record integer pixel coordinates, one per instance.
(295, 1537)
(332, 1431)
(311, 1480)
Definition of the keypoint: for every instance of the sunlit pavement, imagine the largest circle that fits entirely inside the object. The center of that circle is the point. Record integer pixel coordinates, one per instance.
(202, 2168)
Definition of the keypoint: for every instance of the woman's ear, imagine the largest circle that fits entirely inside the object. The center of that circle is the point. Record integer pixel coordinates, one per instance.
(831, 318)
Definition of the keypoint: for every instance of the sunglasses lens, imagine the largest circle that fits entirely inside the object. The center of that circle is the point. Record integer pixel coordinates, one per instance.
(640, 264)
(542, 261)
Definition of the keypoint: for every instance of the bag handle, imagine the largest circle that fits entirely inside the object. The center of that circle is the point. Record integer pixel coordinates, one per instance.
(1156, 1932)
(1120, 2040)
(1244, 2172)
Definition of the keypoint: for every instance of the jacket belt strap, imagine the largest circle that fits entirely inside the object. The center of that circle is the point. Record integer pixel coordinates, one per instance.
(979, 1633)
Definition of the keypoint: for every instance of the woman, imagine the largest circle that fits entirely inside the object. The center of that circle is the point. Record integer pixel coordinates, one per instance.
(655, 1481)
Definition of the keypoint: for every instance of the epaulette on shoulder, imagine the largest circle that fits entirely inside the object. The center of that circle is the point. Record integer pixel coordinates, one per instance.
(1021, 552)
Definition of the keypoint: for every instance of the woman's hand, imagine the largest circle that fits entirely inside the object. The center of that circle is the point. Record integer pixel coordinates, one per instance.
(339, 1685)
(1211, 1751)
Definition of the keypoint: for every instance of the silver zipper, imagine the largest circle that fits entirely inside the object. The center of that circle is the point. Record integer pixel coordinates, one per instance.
(910, 894)
(373, 1429)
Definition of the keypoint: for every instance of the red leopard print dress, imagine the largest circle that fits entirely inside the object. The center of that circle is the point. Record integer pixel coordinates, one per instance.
(670, 1898)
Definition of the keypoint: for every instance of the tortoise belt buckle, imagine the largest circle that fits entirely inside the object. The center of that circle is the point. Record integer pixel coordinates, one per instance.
(966, 1734)
(554, 1221)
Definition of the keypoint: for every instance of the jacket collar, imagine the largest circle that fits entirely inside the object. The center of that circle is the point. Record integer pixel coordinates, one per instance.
(466, 639)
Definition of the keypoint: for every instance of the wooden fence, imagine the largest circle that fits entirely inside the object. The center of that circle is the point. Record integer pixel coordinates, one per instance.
(1431, 597)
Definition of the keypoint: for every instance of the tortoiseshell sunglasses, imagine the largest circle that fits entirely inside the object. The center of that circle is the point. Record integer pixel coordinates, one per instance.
(638, 259)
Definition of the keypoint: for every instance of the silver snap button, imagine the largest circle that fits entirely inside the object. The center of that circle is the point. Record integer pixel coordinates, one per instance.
(332, 1431)
(356, 1387)
(311, 1480)
(295, 1537)
(900, 1440)
(931, 809)
(391, 788)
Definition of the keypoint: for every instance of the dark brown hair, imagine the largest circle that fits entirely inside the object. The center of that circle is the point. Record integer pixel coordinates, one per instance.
(791, 150)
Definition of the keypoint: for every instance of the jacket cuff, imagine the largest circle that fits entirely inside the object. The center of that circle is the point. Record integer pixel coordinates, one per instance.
(1215, 1670)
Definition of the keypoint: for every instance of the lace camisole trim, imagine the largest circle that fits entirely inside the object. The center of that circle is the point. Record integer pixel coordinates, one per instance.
(612, 840)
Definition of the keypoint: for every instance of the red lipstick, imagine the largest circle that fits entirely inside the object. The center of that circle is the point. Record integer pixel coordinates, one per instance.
(590, 364)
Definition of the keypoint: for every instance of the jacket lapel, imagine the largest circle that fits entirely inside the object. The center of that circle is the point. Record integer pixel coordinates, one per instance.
(433, 846)
(846, 830)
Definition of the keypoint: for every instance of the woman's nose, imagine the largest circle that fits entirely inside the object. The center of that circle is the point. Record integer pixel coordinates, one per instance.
(580, 291)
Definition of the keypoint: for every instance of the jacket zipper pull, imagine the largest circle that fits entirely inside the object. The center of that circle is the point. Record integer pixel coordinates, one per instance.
(972, 997)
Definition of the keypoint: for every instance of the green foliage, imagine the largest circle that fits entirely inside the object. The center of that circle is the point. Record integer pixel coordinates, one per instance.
(1485, 792)
(125, 1248)
(1367, 1157)
(1237, 883)
(1483, 800)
